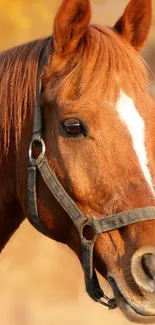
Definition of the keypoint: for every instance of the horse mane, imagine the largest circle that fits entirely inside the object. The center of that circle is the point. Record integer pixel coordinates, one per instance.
(18, 82)
(100, 59)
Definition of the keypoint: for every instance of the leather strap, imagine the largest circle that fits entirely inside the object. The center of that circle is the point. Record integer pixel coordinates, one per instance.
(37, 124)
(60, 194)
(32, 200)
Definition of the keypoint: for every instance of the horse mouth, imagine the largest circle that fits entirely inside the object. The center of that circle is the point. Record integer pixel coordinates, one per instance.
(133, 312)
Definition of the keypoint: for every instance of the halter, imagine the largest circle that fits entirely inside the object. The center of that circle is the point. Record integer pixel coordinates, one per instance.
(80, 220)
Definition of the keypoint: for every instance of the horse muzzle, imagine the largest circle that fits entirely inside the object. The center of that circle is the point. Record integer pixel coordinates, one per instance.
(140, 307)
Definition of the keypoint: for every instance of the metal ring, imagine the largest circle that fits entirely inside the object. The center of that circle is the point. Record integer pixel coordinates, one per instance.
(90, 224)
(43, 148)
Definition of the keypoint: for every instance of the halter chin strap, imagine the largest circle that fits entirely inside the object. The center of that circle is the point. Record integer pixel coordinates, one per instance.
(80, 220)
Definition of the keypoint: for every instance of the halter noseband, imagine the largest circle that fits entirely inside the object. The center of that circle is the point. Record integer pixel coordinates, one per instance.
(80, 220)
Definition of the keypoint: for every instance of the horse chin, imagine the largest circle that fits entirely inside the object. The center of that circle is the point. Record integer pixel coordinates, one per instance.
(133, 312)
(134, 315)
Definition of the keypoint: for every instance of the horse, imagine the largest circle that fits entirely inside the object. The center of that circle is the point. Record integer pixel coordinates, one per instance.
(77, 143)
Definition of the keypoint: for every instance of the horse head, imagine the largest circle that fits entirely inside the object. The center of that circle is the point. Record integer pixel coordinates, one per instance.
(98, 127)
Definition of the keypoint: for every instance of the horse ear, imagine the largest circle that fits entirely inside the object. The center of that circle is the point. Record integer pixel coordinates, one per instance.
(135, 23)
(70, 24)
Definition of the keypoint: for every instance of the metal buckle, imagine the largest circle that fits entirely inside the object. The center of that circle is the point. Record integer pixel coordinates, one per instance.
(33, 160)
(111, 302)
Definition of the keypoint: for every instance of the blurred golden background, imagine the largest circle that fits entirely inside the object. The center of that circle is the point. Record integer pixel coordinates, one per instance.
(41, 282)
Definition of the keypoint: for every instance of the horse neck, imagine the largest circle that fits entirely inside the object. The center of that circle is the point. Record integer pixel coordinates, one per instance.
(10, 211)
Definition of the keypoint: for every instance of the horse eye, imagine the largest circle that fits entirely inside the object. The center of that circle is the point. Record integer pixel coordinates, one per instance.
(73, 127)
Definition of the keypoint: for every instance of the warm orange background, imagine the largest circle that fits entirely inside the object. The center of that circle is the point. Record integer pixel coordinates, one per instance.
(41, 282)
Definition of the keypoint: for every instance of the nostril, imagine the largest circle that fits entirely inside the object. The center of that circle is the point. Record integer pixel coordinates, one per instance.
(143, 268)
(148, 264)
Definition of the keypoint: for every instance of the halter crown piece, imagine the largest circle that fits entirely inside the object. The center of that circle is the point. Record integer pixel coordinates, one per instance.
(106, 224)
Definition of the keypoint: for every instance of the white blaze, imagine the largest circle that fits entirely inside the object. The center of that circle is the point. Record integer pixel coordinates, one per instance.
(129, 115)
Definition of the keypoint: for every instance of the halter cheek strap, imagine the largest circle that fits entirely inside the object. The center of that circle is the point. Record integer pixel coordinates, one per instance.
(79, 220)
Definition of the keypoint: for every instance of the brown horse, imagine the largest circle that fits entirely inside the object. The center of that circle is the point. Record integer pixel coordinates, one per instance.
(98, 127)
